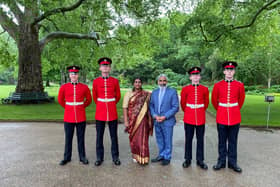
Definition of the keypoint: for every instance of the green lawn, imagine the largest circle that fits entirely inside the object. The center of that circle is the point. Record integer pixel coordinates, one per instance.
(254, 111)
(51, 111)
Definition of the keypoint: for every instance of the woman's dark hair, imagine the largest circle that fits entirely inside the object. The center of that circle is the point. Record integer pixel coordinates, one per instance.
(133, 89)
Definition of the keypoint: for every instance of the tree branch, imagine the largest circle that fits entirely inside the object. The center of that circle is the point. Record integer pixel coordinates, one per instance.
(265, 7)
(54, 24)
(44, 27)
(255, 16)
(3, 32)
(66, 35)
(205, 37)
(273, 6)
(8, 24)
(56, 11)
(13, 5)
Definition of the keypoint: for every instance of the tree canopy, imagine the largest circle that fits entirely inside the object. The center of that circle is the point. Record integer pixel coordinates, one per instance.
(148, 37)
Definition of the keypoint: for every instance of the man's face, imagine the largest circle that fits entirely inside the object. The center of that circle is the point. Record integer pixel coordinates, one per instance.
(229, 73)
(195, 77)
(105, 68)
(162, 81)
(74, 77)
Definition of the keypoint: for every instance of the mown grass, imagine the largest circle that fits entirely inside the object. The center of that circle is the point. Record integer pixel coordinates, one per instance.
(254, 111)
(43, 112)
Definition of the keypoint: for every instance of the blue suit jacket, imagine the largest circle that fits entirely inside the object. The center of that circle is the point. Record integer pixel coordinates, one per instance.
(169, 106)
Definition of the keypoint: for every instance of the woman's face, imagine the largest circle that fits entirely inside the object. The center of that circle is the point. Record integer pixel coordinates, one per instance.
(137, 84)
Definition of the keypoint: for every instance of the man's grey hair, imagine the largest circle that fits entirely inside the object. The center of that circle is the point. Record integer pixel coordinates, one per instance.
(162, 75)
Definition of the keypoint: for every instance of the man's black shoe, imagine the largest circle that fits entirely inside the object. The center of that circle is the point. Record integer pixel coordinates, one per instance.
(202, 165)
(186, 164)
(84, 161)
(117, 162)
(157, 159)
(219, 166)
(63, 162)
(165, 162)
(235, 168)
(98, 162)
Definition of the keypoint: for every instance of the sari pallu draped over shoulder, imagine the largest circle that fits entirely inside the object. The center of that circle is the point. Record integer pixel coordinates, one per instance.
(140, 126)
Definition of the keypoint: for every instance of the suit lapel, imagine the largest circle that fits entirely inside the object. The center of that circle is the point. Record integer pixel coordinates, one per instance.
(156, 98)
(164, 97)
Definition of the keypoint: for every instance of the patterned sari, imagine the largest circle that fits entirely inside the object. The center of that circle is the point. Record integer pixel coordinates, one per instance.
(140, 126)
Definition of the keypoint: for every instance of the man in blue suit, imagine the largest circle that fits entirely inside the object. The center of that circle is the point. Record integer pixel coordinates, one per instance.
(164, 105)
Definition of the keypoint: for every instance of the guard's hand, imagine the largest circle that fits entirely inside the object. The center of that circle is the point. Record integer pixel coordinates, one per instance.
(126, 124)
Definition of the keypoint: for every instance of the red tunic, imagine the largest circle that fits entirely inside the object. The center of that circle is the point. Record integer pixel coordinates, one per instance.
(194, 102)
(74, 98)
(227, 99)
(106, 94)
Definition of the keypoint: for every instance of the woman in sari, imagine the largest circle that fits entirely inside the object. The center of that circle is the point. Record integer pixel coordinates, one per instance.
(138, 121)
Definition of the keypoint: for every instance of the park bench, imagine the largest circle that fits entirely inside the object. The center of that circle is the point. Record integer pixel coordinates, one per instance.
(27, 98)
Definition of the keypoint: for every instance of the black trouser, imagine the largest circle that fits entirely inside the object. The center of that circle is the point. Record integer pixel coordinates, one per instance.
(113, 128)
(189, 132)
(228, 136)
(69, 132)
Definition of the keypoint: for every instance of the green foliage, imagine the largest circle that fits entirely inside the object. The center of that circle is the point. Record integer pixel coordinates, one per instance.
(8, 53)
(143, 42)
(7, 75)
(255, 48)
(260, 89)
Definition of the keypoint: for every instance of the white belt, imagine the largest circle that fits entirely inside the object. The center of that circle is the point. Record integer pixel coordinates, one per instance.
(193, 106)
(228, 104)
(106, 100)
(74, 103)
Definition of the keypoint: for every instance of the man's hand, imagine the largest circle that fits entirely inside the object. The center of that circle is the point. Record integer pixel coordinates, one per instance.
(160, 118)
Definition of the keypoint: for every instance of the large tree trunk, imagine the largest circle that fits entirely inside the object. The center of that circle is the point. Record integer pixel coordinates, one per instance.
(30, 70)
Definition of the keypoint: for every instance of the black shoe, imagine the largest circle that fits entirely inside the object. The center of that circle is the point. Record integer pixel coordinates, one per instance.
(186, 164)
(117, 162)
(84, 161)
(157, 159)
(235, 168)
(165, 162)
(202, 165)
(63, 162)
(219, 166)
(98, 162)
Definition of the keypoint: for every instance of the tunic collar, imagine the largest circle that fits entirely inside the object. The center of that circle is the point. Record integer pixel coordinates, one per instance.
(74, 83)
(229, 80)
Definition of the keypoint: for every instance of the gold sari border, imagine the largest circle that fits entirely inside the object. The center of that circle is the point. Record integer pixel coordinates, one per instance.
(141, 160)
(141, 115)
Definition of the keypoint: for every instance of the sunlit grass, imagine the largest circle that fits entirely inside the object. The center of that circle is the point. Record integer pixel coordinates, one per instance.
(254, 111)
